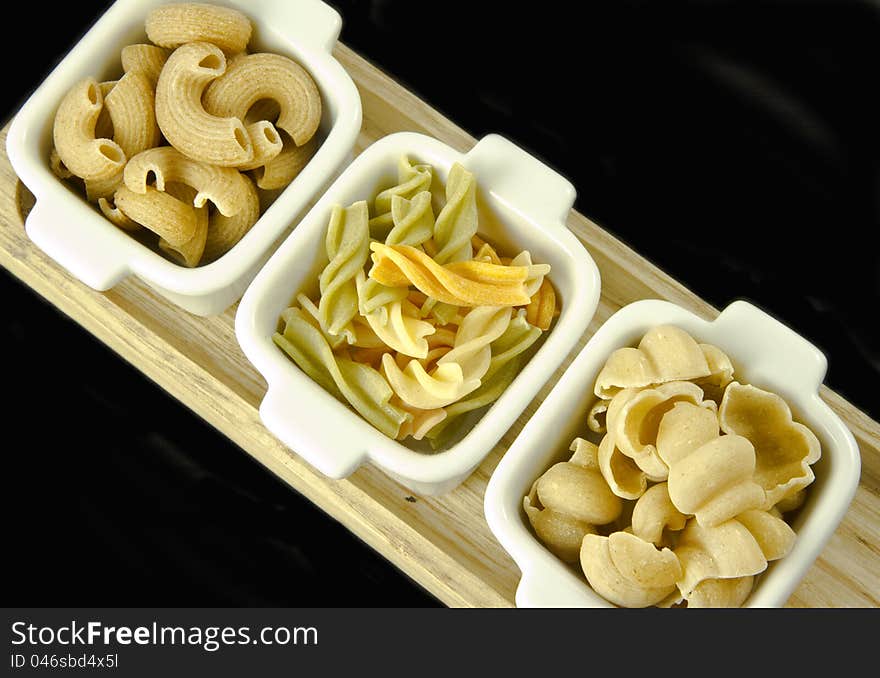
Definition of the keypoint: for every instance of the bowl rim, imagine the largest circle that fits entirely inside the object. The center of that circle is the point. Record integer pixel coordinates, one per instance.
(314, 52)
(540, 569)
(393, 456)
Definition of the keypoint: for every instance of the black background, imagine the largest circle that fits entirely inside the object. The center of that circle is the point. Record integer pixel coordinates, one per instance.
(734, 144)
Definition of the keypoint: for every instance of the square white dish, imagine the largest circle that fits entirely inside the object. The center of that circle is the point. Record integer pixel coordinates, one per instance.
(78, 237)
(765, 353)
(529, 204)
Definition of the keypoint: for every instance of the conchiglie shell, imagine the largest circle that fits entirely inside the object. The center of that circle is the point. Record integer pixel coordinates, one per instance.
(624, 478)
(721, 593)
(578, 492)
(725, 551)
(714, 483)
(665, 353)
(560, 533)
(634, 418)
(774, 535)
(784, 449)
(654, 512)
(618, 568)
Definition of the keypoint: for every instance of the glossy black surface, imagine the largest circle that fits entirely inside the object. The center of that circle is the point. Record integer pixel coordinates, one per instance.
(734, 144)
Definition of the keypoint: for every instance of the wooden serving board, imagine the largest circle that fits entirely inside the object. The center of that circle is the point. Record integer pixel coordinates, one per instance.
(441, 542)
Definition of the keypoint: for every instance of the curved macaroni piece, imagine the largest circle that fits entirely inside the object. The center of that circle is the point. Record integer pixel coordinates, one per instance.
(665, 353)
(624, 478)
(457, 222)
(227, 188)
(346, 244)
(415, 387)
(784, 449)
(145, 59)
(577, 489)
(102, 188)
(726, 551)
(173, 25)
(710, 476)
(225, 232)
(360, 385)
(654, 512)
(162, 213)
(113, 213)
(73, 133)
(190, 252)
(721, 593)
(278, 172)
(253, 77)
(634, 417)
(267, 144)
(468, 283)
(542, 307)
(131, 105)
(187, 126)
(561, 533)
(413, 220)
(59, 169)
(472, 350)
(628, 571)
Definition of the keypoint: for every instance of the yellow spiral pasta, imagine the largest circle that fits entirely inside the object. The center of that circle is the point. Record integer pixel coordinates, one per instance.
(347, 243)
(361, 386)
(468, 283)
(457, 222)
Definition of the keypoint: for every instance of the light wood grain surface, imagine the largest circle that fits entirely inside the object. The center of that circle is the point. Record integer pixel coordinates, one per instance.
(443, 542)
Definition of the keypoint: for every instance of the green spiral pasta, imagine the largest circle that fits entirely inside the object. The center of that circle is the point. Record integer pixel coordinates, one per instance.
(457, 222)
(411, 180)
(363, 387)
(413, 220)
(348, 245)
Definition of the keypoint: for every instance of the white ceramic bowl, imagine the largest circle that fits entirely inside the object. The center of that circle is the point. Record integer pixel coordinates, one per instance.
(764, 353)
(79, 238)
(530, 203)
